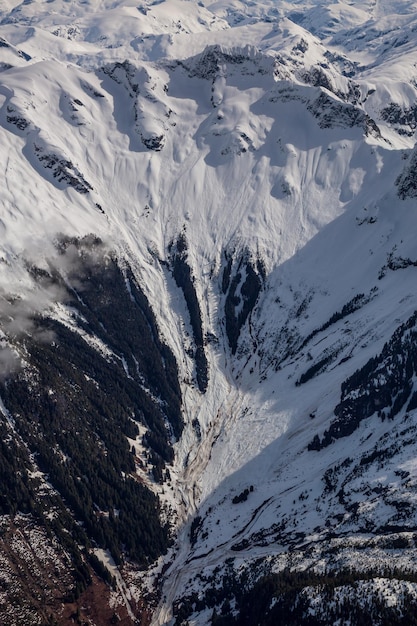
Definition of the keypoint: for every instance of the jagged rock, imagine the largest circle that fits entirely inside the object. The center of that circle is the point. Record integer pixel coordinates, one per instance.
(402, 118)
(407, 180)
(331, 113)
(62, 169)
(155, 142)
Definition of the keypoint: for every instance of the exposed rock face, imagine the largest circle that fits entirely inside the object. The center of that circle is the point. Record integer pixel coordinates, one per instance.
(407, 180)
(242, 285)
(62, 169)
(183, 277)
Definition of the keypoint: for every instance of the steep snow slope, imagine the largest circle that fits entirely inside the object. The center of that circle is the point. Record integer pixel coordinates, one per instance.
(254, 166)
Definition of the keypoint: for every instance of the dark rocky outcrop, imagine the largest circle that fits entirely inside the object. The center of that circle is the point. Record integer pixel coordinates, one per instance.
(182, 273)
(242, 287)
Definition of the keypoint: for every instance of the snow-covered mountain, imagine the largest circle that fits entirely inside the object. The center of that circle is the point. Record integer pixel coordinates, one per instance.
(208, 312)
